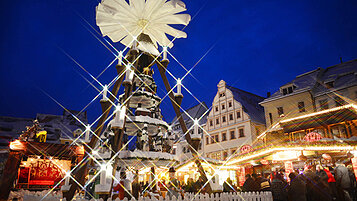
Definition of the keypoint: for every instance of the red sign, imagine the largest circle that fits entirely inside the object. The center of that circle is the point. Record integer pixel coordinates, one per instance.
(288, 169)
(41, 171)
(241, 176)
(246, 148)
(312, 137)
(354, 164)
(44, 170)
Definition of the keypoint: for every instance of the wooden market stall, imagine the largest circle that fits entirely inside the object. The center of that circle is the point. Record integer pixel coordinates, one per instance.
(37, 165)
(322, 137)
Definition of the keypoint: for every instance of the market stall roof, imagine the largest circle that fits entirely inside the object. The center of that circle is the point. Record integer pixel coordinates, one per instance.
(299, 146)
(62, 151)
(321, 118)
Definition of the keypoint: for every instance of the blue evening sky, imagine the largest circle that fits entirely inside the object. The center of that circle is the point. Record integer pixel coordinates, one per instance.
(253, 45)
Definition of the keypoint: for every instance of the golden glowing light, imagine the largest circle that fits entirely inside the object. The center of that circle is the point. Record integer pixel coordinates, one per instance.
(16, 145)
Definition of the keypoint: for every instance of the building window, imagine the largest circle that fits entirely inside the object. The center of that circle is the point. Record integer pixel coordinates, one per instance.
(280, 111)
(217, 121)
(329, 84)
(217, 155)
(223, 119)
(301, 106)
(222, 95)
(339, 131)
(238, 115)
(216, 138)
(211, 123)
(271, 118)
(299, 136)
(241, 132)
(229, 104)
(224, 137)
(339, 101)
(233, 151)
(223, 107)
(207, 140)
(216, 108)
(233, 135)
(288, 90)
(212, 139)
(257, 131)
(225, 154)
(230, 117)
(323, 104)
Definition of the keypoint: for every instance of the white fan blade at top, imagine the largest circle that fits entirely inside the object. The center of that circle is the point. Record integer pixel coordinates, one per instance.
(128, 40)
(138, 7)
(120, 5)
(174, 19)
(160, 37)
(152, 6)
(171, 31)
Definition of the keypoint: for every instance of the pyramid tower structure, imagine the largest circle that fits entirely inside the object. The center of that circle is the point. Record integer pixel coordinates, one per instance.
(135, 136)
(147, 141)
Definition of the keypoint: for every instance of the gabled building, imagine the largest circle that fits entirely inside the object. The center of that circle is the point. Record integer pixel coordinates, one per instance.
(181, 149)
(65, 127)
(236, 119)
(312, 119)
(321, 90)
(292, 99)
(337, 86)
(60, 128)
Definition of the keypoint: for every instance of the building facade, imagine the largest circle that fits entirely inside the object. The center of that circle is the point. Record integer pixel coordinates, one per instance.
(235, 120)
(60, 128)
(181, 147)
(314, 91)
(311, 121)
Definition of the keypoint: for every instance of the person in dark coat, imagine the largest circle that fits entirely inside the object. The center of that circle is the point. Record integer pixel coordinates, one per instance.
(257, 180)
(265, 184)
(322, 174)
(248, 184)
(228, 186)
(309, 176)
(343, 182)
(353, 188)
(279, 188)
(135, 186)
(331, 182)
(321, 190)
(297, 188)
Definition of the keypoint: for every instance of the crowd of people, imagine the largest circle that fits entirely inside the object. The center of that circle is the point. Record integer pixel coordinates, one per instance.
(313, 184)
(125, 188)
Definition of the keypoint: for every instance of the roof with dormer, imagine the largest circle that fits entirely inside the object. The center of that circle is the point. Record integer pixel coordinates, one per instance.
(338, 76)
(321, 81)
(301, 83)
(250, 103)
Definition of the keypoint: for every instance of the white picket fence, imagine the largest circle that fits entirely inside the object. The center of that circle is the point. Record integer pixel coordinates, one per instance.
(245, 196)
